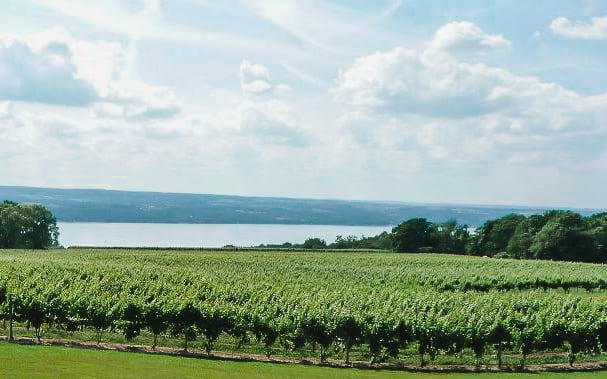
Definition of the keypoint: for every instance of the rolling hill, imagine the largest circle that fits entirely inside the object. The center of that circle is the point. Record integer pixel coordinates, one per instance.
(93, 205)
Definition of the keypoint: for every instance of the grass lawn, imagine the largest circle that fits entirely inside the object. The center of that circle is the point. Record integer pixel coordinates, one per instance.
(21, 361)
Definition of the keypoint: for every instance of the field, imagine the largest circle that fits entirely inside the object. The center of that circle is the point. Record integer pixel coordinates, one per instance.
(400, 309)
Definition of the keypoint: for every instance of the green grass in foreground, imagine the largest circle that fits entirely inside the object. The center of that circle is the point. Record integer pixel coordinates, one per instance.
(19, 361)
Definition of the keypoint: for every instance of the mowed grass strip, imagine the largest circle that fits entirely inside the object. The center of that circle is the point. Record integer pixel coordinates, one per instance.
(33, 361)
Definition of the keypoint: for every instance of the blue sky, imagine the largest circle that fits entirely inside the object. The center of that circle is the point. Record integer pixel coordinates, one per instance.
(461, 101)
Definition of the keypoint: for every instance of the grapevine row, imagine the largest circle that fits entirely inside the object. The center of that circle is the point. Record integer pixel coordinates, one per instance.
(290, 302)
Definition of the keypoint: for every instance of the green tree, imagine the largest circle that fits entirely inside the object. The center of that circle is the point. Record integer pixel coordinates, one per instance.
(13, 223)
(27, 226)
(524, 233)
(597, 225)
(451, 237)
(348, 242)
(42, 231)
(413, 234)
(314, 244)
(564, 237)
(494, 235)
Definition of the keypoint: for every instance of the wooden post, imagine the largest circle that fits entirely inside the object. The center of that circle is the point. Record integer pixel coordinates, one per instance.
(10, 318)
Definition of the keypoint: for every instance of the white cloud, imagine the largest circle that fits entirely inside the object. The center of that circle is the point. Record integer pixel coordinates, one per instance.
(464, 37)
(54, 68)
(404, 81)
(97, 62)
(259, 123)
(138, 100)
(6, 110)
(145, 20)
(254, 78)
(48, 75)
(272, 122)
(463, 113)
(417, 119)
(595, 29)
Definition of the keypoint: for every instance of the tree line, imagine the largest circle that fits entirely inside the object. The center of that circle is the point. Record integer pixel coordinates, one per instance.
(27, 226)
(382, 241)
(554, 235)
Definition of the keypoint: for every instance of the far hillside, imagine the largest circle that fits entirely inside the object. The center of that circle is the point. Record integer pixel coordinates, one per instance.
(92, 205)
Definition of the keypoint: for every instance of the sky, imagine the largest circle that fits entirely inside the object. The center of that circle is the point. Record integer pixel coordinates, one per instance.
(451, 101)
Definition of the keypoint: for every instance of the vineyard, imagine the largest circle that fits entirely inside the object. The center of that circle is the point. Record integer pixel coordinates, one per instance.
(340, 306)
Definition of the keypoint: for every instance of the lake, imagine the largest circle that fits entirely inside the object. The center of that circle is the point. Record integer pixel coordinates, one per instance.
(201, 235)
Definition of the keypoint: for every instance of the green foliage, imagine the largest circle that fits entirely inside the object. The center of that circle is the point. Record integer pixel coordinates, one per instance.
(493, 236)
(524, 234)
(314, 244)
(555, 235)
(382, 241)
(27, 226)
(42, 229)
(386, 303)
(564, 238)
(412, 235)
(420, 235)
(130, 319)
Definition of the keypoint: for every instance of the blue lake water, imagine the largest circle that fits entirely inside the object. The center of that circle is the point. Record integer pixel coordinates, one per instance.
(201, 235)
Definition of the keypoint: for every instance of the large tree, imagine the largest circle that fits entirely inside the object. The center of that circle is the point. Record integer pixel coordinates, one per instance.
(451, 237)
(494, 235)
(598, 230)
(524, 233)
(27, 226)
(13, 223)
(413, 234)
(564, 237)
(42, 227)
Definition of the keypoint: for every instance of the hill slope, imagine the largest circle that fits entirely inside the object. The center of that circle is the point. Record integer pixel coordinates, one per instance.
(92, 205)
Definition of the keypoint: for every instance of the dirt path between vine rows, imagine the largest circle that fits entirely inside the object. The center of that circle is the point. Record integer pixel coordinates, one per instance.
(247, 357)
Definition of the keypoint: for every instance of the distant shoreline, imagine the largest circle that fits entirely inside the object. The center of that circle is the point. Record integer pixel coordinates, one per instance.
(218, 223)
(127, 207)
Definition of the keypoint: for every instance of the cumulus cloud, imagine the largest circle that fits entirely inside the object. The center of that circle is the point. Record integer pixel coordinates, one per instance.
(56, 69)
(404, 81)
(461, 112)
(254, 78)
(97, 62)
(261, 115)
(595, 29)
(464, 37)
(48, 75)
(136, 101)
(271, 122)
(6, 110)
